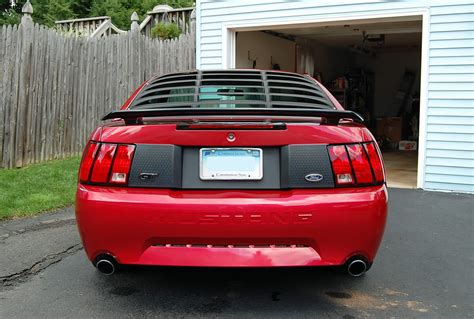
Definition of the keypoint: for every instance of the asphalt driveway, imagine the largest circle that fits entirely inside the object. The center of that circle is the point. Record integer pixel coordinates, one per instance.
(424, 270)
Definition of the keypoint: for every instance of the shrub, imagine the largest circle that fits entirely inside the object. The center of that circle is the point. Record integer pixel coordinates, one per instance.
(165, 31)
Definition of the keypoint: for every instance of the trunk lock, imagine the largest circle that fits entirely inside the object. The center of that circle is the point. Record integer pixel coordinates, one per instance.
(231, 137)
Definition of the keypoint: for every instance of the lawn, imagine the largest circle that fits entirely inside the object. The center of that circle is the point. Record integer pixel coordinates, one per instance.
(38, 188)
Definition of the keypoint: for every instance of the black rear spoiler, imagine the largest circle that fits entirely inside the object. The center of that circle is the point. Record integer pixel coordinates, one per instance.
(332, 116)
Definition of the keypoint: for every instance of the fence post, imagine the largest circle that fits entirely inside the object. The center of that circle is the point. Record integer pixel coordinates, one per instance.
(192, 21)
(135, 27)
(27, 11)
(22, 87)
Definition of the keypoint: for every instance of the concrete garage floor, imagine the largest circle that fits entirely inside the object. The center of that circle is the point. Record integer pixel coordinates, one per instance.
(424, 270)
(401, 168)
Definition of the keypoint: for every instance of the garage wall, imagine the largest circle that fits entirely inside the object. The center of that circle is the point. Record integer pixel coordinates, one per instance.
(448, 155)
(393, 64)
(329, 62)
(264, 48)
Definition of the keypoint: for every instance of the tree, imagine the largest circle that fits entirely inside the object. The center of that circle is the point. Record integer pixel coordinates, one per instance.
(46, 12)
(82, 8)
(9, 16)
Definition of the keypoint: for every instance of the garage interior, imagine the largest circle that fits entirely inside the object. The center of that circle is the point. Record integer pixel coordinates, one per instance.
(372, 67)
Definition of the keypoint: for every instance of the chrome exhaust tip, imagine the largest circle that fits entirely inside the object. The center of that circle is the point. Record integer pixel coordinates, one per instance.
(105, 266)
(357, 267)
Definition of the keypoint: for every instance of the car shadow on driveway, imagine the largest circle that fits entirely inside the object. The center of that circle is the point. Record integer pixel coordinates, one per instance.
(243, 292)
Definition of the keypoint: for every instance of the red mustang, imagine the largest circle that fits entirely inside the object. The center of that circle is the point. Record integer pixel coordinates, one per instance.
(232, 168)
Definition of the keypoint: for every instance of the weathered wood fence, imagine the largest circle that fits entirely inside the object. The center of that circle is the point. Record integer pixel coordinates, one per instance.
(54, 89)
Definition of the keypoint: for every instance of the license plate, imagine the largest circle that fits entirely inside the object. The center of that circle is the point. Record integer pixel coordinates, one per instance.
(231, 164)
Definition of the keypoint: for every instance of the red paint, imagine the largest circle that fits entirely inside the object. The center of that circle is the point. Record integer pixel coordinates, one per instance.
(334, 223)
(252, 228)
(294, 134)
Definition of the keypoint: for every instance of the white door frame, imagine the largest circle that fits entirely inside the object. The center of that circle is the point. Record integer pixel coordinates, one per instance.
(229, 48)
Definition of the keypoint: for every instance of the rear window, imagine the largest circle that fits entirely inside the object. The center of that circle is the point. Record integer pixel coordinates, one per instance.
(232, 89)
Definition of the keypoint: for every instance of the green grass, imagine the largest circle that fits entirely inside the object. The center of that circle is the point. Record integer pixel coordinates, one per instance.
(37, 188)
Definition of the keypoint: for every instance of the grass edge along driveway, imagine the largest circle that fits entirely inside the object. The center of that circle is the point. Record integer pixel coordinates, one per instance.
(38, 188)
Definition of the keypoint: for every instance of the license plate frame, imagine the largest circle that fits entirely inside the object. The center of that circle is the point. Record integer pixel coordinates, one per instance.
(207, 174)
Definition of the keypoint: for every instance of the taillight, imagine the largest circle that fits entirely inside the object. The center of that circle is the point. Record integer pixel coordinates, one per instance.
(87, 161)
(341, 165)
(356, 164)
(375, 162)
(360, 164)
(105, 163)
(122, 163)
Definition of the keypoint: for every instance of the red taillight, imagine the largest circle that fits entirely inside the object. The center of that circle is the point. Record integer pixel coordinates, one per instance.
(341, 165)
(122, 163)
(103, 162)
(360, 164)
(356, 164)
(87, 160)
(375, 162)
(106, 163)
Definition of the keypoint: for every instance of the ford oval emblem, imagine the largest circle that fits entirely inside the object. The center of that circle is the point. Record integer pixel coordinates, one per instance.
(314, 178)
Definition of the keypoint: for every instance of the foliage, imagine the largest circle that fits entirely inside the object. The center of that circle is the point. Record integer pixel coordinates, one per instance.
(46, 12)
(38, 188)
(165, 31)
(9, 16)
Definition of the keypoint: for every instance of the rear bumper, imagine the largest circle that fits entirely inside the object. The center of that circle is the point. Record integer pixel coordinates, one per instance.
(231, 228)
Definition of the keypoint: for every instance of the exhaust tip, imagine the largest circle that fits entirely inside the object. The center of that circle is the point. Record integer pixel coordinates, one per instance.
(105, 266)
(357, 267)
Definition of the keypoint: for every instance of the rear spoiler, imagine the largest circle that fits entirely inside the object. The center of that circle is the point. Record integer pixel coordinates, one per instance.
(135, 116)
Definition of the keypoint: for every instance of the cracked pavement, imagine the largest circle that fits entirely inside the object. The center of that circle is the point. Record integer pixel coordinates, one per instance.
(425, 269)
(30, 245)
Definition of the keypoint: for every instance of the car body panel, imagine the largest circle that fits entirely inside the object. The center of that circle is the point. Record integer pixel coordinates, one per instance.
(294, 134)
(330, 225)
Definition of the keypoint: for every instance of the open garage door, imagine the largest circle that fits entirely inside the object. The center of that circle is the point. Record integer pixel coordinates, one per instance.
(372, 67)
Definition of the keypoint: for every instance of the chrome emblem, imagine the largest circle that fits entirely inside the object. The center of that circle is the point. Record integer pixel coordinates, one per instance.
(314, 178)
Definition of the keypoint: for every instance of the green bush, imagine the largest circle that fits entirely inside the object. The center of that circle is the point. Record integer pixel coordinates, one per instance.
(9, 16)
(165, 31)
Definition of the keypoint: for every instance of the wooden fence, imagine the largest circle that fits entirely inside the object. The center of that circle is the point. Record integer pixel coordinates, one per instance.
(55, 88)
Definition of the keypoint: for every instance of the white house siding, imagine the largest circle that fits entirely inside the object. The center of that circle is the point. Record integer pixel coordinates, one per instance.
(449, 79)
(449, 163)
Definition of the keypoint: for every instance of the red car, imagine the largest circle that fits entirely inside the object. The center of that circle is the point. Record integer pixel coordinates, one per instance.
(232, 168)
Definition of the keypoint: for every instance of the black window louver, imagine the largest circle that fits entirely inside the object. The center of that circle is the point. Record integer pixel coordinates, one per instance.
(232, 88)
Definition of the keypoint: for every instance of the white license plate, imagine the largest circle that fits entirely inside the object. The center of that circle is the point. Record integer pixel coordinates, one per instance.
(231, 164)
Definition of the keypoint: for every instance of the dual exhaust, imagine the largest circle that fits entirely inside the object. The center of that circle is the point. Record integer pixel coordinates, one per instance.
(106, 264)
(355, 267)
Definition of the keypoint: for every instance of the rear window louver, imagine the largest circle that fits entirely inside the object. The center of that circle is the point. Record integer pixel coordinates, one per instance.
(231, 89)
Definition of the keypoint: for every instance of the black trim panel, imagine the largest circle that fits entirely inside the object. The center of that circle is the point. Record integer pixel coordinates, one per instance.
(300, 160)
(156, 166)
